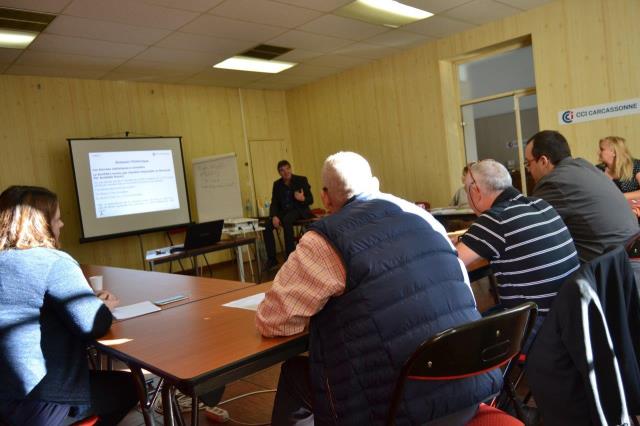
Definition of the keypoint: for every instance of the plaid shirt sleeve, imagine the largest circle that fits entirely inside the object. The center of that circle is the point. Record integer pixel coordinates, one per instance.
(313, 273)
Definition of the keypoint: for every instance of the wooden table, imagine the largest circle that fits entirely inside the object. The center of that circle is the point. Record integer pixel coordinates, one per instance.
(204, 346)
(163, 255)
(134, 286)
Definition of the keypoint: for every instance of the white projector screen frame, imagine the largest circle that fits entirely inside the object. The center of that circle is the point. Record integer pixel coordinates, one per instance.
(141, 164)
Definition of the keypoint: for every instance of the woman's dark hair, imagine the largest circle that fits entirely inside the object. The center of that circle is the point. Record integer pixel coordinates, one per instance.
(551, 144)
(26, 213)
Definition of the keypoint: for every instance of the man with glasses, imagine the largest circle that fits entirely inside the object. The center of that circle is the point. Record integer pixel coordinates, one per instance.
(372, 280)
(592, 207)
(524, 239)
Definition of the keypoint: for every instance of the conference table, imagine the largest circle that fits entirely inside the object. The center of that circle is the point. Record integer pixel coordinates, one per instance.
(133, 286)
(195, 345)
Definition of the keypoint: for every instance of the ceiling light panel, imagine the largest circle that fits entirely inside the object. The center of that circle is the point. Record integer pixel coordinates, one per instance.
(244, 63)
(18, 28)
(14, 39)
(389, 13)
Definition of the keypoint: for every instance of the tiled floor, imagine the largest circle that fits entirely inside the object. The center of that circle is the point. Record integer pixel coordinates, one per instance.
(256, 409)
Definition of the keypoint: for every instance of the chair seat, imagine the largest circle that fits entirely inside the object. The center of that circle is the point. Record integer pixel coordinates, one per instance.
(491, 416)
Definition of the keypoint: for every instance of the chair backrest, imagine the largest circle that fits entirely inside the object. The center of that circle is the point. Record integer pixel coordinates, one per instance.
(468, 350)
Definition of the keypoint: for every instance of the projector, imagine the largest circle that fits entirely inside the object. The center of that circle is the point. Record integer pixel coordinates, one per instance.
(241, 224)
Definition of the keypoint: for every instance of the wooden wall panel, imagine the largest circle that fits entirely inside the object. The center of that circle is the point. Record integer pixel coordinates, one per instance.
(390, 110)
(39, 114)
(585, 52)
(382, 110)
(266, 120)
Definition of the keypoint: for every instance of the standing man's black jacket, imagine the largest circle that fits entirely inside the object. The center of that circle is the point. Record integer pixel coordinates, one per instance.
(283, 200)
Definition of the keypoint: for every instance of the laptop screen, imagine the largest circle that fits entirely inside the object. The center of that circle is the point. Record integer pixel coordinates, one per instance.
(203, 234)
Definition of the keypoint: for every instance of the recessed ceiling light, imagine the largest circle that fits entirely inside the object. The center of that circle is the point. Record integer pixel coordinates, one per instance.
(18, 28)
(16, 39)
(389, 13)
(245, 63)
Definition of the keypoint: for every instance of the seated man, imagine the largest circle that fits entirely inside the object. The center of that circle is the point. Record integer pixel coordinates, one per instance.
(376, 278)
(593, 208)
(526, 242)
(290, 200)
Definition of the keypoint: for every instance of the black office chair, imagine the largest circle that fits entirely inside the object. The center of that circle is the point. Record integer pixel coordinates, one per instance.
(468, 350)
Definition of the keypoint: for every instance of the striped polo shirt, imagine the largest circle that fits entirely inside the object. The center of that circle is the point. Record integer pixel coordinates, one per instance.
(528, 245)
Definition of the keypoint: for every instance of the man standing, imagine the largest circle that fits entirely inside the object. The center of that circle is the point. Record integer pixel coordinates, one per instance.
(373, 280)
(592, 207)
(290, 200)
(528, 245)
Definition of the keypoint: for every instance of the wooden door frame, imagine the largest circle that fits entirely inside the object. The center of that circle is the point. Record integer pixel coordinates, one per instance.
(452, 106)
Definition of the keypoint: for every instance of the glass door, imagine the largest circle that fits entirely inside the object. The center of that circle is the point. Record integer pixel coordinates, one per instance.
(499, 109)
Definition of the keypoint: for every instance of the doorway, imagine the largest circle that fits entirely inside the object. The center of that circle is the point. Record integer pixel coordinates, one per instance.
(498, 108)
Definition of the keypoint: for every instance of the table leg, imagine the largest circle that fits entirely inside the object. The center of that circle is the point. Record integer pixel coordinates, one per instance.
(141, 389)
(240, 263)
(250, 261)
(167, 405)
(194, 260)
(195, 414)
(258, 263)
(177, 410)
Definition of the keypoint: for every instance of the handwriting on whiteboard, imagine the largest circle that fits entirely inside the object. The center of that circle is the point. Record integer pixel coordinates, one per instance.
(215, 174)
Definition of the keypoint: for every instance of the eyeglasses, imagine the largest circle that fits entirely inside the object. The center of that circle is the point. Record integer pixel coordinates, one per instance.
(528, 162)
(473, 179)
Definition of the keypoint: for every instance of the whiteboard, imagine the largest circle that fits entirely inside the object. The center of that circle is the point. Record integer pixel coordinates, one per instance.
(217, 187)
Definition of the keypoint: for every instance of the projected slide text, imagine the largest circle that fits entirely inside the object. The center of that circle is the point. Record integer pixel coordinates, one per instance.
(132, 182)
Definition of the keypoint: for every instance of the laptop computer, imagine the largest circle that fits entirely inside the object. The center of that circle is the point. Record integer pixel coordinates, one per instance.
(201, 235)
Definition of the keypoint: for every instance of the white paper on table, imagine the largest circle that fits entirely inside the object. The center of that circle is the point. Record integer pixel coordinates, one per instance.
(135, 310)
(251, 302)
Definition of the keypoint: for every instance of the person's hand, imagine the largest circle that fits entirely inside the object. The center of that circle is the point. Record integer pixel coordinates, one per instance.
(108, 299)
(276, 222)
(299, 195)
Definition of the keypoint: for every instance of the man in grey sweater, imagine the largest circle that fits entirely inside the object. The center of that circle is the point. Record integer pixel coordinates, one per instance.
(592, 207)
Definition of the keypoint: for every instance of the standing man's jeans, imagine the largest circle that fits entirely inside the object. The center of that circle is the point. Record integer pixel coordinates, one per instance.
(286, 223)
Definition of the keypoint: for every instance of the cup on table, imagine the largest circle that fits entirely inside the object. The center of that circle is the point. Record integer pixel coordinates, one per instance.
(96, 282)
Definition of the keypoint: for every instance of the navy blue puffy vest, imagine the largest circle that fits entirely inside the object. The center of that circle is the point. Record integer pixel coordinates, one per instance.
(404, 284)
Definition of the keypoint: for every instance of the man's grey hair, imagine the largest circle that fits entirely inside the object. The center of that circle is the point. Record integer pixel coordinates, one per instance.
(346, 174)
(490, 175)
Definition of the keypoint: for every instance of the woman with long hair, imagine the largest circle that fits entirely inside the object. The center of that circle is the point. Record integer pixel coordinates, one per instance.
(48, 314)
(618, 164)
